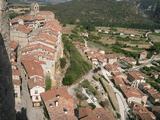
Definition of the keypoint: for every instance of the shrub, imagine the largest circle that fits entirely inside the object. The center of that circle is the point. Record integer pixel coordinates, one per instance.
(62, 62)
(48, 82)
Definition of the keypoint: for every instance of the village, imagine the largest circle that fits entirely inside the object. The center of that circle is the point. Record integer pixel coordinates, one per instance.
(117, 86)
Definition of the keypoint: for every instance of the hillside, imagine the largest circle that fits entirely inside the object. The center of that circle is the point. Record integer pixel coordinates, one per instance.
(151, 8)
(42, 1)
(101, 12)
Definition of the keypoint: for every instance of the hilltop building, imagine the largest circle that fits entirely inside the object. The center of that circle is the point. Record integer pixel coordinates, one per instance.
(38, 35)
(58, 104)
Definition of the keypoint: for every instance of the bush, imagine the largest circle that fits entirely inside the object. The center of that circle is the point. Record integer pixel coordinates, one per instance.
(92, 105)
(62, 62)
(86, 84)
(48, 82)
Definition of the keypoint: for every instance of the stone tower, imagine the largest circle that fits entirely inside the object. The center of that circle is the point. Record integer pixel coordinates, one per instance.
(34, 8)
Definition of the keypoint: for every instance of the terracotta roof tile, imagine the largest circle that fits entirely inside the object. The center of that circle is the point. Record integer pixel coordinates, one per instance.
(143, 112)
(59, 104)
(23, 28)
(36, 81)
(32, 66)
(96, 114)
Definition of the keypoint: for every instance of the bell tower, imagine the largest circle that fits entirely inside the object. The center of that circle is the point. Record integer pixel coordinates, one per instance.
(34, 8)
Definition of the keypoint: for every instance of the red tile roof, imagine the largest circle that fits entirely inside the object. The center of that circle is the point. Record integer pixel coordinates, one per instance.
(143, 112)
(23, 28)
(32, 66)
(96, 114)
(36, 81)
(37, 46)
(53, 25)
(136, 75)
(112, 67)
(59, 104)
(129, 91)
(118, 80)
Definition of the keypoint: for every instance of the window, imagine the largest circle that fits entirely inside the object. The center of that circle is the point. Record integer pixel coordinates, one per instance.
(36, 91)
(36, 97)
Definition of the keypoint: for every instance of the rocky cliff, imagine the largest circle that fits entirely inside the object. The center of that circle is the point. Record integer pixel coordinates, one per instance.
(7, 111)
(7, 104)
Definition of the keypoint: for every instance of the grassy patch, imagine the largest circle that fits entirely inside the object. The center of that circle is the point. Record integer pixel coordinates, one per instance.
(63, 62)
(86, 84)
(78, 66)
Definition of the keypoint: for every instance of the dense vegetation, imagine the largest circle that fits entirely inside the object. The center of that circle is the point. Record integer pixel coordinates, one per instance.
(151, 7)
(78, 66)
(63, 62)
(101, 13)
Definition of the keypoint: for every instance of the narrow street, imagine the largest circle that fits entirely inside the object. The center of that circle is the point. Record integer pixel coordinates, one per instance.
(32, 113)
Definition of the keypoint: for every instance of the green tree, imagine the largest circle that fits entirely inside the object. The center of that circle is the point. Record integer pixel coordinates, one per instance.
(63, 62)
(48, 82)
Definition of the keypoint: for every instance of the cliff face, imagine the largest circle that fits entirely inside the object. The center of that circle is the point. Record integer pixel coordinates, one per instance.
(7, 104)
(7, 111)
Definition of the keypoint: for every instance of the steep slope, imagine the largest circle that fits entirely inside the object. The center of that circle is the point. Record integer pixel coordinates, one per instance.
(151, 8)
(100, 12)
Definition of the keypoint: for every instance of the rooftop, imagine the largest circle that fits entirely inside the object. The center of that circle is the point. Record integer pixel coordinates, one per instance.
(143, 113)
(23, 29)
(32, 66)
(59, 104)
(137, 75)
(96, 114)
(129, 91)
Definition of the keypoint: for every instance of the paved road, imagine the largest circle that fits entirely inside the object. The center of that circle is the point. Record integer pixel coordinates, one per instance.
(123, 106)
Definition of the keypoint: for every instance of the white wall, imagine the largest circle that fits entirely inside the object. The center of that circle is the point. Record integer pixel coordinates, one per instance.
(33, 94)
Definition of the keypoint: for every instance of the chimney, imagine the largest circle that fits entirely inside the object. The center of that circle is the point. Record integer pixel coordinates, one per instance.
(56, 103)
(65, 110)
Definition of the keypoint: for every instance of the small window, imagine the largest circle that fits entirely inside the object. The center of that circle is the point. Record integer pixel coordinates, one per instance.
(36, 91)
(36, 97)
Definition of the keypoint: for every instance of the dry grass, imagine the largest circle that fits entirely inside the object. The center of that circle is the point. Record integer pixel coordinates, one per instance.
(111, 94)
(130, 31)
(68, 29)
(108, 40)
